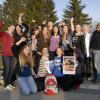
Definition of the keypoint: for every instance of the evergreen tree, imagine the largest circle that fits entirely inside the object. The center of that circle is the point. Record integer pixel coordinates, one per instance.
(34, 9)
(75, 10)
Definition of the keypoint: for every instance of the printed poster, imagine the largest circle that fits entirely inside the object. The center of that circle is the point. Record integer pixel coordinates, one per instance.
(69, 65)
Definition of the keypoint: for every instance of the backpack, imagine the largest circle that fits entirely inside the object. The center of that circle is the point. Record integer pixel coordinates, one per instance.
(51, 87)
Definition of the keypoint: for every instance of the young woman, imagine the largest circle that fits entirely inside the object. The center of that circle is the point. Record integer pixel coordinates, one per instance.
(34, 42)
(8, 56)
(44, 39)
(41, 71)
(66, 41)
(25, 64)
(50, 25)
(54, 41)
(78, 40)
(19, 34)
(66, 82)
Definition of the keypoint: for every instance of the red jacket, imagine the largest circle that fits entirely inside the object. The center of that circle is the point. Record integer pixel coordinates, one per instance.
(7, 42)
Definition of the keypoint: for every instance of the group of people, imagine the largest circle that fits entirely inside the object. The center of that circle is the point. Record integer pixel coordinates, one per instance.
(26, 49)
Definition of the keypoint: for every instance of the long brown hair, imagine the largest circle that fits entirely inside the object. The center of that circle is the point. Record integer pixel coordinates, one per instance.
(23, 59)
(64, 36)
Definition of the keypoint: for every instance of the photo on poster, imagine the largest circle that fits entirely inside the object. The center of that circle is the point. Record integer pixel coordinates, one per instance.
(69, 65)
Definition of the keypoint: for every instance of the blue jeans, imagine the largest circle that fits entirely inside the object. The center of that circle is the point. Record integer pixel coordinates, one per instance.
(96, 64)
(27, 85)
(9, 63)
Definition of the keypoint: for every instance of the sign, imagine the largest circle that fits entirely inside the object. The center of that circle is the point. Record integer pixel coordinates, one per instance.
(69, 65)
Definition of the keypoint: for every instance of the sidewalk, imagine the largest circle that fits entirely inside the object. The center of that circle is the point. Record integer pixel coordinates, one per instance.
(87, 91)
(82, 94)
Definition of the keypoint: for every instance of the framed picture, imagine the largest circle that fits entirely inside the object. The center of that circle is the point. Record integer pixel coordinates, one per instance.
(69, 65)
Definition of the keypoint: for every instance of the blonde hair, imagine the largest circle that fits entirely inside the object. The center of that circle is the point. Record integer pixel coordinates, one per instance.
(23, 59)
(86, 25)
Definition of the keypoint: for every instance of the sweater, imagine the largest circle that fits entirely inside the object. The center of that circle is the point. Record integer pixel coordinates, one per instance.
(26, 71)
(54, 43)
(7, 43)
(95, 40)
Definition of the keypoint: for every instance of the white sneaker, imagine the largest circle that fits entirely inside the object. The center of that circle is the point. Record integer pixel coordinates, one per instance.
(11, 86)
(8, 88)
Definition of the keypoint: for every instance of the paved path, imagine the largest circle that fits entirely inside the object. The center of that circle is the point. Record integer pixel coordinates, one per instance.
(84, 93)
(88, 91)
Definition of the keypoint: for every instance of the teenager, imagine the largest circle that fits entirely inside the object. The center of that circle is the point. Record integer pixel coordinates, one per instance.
(25, 64)
(54, 41)
(41, 60)
(8, 56)
(66, 41)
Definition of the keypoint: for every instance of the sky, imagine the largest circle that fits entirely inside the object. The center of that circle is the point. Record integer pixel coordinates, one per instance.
(92, 8)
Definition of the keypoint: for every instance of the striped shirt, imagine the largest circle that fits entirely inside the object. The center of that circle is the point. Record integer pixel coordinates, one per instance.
(42, 67)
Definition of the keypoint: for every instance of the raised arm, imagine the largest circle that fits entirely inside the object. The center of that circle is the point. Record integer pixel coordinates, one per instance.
(16, 46)
(72, 24)
(20, 18)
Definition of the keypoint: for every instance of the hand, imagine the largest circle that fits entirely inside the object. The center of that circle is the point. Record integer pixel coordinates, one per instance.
(33, 20)
(44, 22)
(72, 19)
(67, 41)
(21, 14)
(23, 39)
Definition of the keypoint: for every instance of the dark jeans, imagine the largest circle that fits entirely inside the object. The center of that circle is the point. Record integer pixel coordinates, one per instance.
(9, 64)
(65, 83)
(40, 82)
(88, 67)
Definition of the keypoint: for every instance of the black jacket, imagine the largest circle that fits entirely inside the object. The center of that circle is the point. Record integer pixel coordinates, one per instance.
(79, 42)
(95, 40)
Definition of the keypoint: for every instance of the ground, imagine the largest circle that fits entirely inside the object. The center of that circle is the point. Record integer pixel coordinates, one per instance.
(87, 91)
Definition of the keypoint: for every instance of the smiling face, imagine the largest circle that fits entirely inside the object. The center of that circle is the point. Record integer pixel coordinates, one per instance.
(26, 50)
(55, 29)
(50, 25)
(11, 29)
(59, 52)
(18, 29)
(78, 28)
(45, 51)
(45, 31)
(65, 29)
(86, 28)
(33, 37)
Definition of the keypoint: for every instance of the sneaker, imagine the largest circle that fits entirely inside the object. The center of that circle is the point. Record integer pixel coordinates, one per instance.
(11, 86)
(8, 88)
